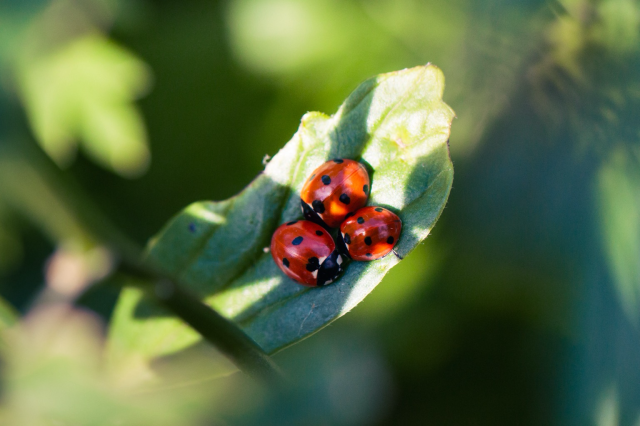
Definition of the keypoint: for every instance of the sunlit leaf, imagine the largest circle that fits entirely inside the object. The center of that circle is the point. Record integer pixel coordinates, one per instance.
(397, 123)
(83, 93)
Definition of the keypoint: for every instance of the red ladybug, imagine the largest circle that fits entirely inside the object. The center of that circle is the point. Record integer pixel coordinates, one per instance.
(335, 189)
(371, 233)
(306, 253)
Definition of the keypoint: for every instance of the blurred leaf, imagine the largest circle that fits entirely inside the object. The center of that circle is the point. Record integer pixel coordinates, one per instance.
(280, 36)
(319, 49)
(54, 376)
(619, 196)
(83, 92)
(397, 123)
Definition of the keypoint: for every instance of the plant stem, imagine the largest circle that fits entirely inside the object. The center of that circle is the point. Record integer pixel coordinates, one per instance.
(228, 338)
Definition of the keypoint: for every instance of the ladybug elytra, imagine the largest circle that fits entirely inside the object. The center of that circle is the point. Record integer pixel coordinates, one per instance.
(306, 253)
(335, 189)
(371, 233)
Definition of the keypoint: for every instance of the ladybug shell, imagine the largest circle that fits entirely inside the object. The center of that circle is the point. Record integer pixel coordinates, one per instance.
(305, 252)
(371, 233)
(335, 189)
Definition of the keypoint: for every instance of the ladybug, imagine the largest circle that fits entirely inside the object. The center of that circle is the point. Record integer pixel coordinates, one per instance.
(305, 252)
(334, 190)
(371, 233)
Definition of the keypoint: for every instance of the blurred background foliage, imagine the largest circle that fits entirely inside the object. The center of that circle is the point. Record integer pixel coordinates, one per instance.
(523, 307)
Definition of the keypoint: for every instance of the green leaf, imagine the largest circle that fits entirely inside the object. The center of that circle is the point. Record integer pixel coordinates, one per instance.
(83, 93)
(397, 123)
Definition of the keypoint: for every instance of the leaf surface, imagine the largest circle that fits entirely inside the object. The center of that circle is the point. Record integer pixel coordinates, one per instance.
(397, 124)
(82, 93)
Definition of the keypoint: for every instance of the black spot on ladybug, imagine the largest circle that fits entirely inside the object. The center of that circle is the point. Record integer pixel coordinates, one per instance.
(297, 241)
(367, 241)
(365, 189)
(369, 255)
(349, 215)
(285, 262)
(347, 238)
(192, 227)
(318, 207)
(319, 233)
(313, 265)
(292, 222)
(378, 209)
(338, 160)
(390, 240)
(344, 199)
(326, 179)
(360, 220)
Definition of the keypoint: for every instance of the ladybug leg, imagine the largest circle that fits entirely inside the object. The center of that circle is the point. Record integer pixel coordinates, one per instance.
(397, 255)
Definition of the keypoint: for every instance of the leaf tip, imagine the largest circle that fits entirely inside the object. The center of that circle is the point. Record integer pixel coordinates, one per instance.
(311, 117)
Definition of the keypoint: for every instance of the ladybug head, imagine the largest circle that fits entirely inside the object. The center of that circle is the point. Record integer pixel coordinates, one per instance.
(330, 269)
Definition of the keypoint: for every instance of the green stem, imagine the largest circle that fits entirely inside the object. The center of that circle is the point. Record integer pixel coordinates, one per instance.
(228, 338)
